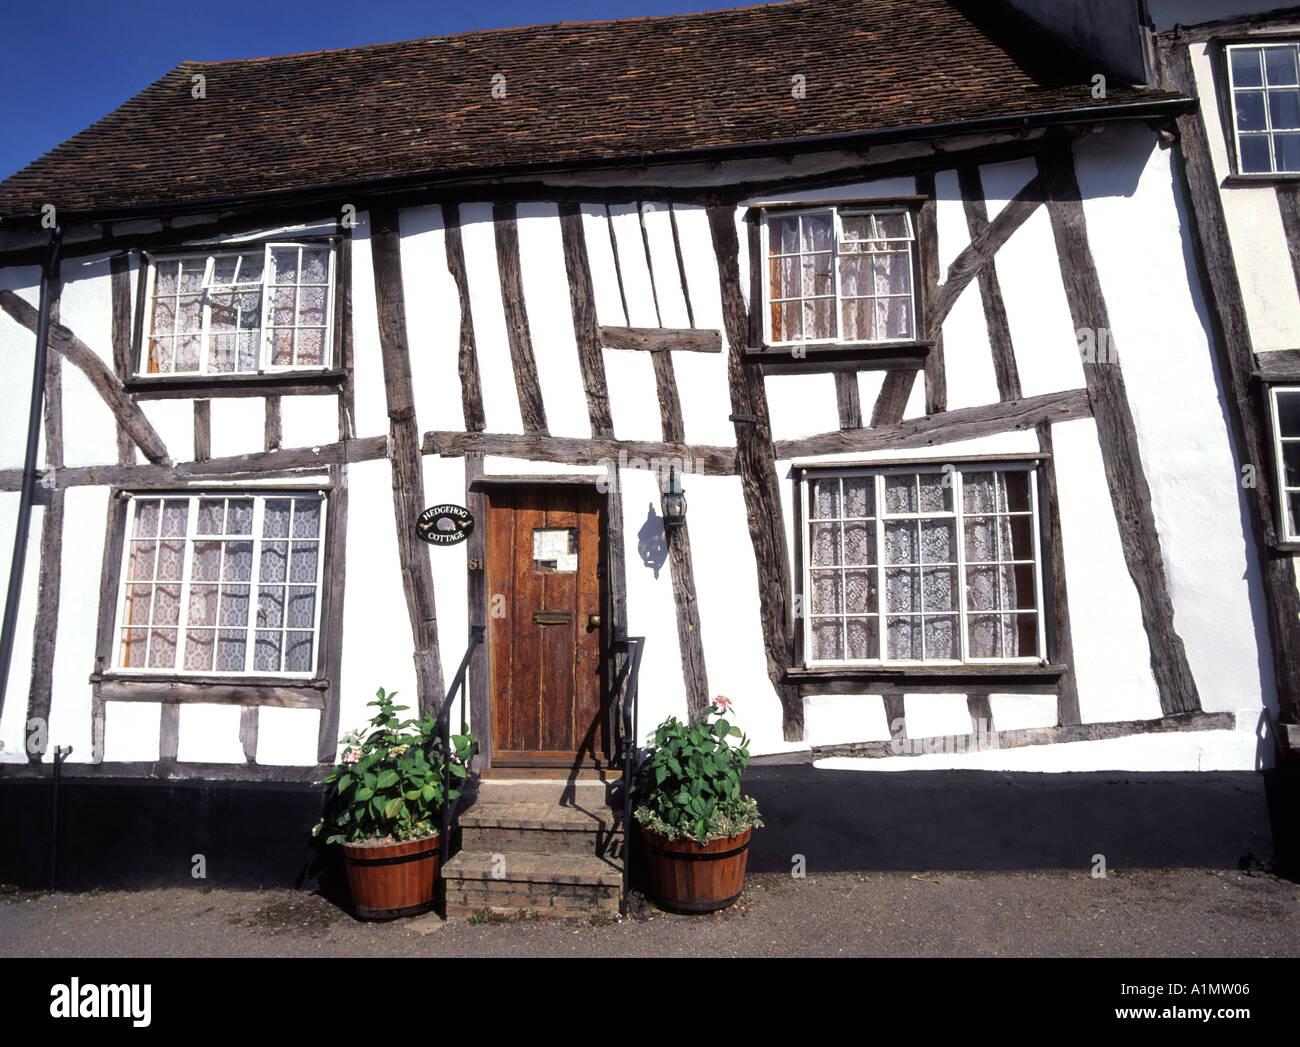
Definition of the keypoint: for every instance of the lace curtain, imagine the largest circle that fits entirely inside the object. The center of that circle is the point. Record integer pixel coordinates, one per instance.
(923, 593)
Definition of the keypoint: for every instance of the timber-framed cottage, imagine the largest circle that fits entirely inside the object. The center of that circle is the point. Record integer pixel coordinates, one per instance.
(906, 296)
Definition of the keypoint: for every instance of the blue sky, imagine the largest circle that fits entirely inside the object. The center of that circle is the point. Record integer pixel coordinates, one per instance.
(70, 62)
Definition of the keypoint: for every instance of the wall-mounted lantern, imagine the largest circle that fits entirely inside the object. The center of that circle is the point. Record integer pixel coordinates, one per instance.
(674, 505)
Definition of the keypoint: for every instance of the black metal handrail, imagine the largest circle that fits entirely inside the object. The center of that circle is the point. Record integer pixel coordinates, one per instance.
(444, 733)
(626, 686)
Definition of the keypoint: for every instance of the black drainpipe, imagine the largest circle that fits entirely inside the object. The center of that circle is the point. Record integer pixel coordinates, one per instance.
(49, 280)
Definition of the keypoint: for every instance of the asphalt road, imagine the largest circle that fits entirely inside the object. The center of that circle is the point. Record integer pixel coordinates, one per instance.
(1179, 912)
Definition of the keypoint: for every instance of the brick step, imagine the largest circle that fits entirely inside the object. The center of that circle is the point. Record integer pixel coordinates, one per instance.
(540, 828)
(568, 885)
(587, 793)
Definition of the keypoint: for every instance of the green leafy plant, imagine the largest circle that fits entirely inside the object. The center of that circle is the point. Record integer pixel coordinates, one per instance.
(689, 785)
(389, 784)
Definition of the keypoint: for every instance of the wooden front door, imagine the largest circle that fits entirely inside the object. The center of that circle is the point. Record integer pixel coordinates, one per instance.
(545, 548)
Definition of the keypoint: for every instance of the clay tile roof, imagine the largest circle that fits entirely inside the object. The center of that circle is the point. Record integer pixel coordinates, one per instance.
(575, 93)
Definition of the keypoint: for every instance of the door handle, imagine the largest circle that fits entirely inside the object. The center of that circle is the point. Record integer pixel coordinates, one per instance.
(593, 621)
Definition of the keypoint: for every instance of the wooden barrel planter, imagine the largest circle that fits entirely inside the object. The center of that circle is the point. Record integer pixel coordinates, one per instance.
(690, 877)
(388, 880)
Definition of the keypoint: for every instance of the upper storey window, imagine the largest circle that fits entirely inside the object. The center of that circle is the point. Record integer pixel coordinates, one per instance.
(244, 311)
(1265, 84)
(840, 275)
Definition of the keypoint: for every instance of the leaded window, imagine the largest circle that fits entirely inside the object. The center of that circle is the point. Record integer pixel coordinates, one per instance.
(240, 311)
(223, 582)
(838, 274)
(925, 565)
(1264, 82)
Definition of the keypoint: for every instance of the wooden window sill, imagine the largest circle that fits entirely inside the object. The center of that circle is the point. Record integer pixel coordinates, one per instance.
(1238, 181)
(834, 356)
(278, 383)
(850, 679)
(213, 690)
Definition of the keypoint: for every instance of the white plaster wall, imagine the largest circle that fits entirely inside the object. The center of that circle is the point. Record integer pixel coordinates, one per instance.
(286, 737)
(1112, 659)
(209, 734)
(17, 346)
(86, 308)
(637, 285)
(967, 358)
(371, 404)
(1210, 561)
(432, 321)
(174, 422)
(1003, 181)
(726, 585)
(663, 262)
(1254, 222)
(238, 425)
(308, 421)
(131, 731)
(444, 481)
(13, 717)
(604, 276)
(74, 652)
(869, 386)
(377, 646)
(802, 405)
(1038, 315)
(1013, 712)
(935, 715)
(550, 320)
(702, 377)
(650, 608)
(1186, 751)
(878, 189)
(496, 369)
(835, 719)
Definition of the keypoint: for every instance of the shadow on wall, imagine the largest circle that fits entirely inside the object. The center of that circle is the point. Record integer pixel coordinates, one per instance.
(651, 543)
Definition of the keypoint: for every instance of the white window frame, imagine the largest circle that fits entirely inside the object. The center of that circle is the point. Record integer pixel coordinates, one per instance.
(259, 496)
(1284, 516)
(837, 213)
(809, 474)
(265, 366)
(1268, 133)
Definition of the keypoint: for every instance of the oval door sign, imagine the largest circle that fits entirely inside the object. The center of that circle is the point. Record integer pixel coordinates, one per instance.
(445, 524)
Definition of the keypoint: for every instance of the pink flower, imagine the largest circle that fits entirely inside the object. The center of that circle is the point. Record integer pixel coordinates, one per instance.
(723, 705)
(352, 756)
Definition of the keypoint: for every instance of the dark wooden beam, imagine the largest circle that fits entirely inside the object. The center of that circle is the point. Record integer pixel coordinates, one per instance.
(169, 732)
(479, 685)
(892, 399)
(670, 401)
(967, 265)
(848, 400)
(1277, 365)
(1121, 458)
(404, 453)
(248, 724)
(582, 303)
(186, 387)
(1056, 609)
(44, 634)
(756, 464)
(203, 430)
(927, 249)
(330, 657)
(233, 467)
(662, 339)
(995, 309)
(711, 461)
(106, 383)
(1233, 351)
(527, 383)
(981, 713)
(966, 423)
(1015, 739)
(272, 427)
(681, 265)
(689, 639)
(649, 262)
(618, 266)
(119, 687)
(119, 267)
(471, 383)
